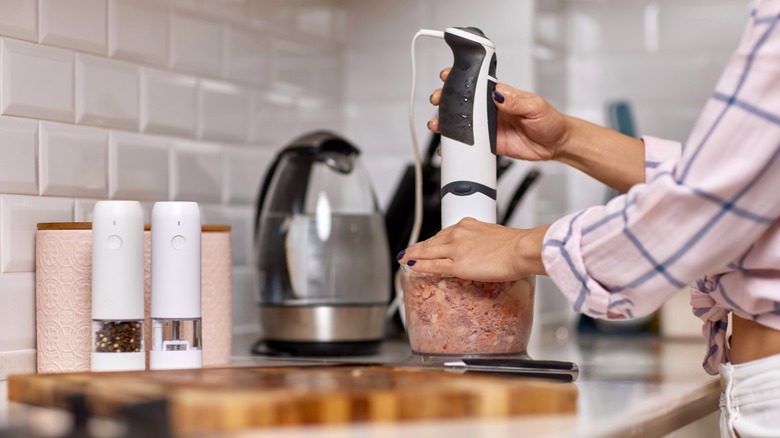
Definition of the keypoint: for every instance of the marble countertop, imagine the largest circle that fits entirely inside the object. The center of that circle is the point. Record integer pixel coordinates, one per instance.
(628, 386)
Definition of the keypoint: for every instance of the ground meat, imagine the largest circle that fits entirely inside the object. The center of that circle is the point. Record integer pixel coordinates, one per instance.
(447, 315)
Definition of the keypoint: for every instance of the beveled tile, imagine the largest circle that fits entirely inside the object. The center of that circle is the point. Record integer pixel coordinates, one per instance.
(75, 24)
(138, 167)
(25, 67)
(18, 166)
(138, 31)
(19, 216)
(168, 103)
(196, 172)
(107, 92)
(223, 111)
(73, 161)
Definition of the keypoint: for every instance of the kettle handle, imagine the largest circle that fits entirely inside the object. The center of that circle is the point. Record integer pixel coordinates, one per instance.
(269, 174)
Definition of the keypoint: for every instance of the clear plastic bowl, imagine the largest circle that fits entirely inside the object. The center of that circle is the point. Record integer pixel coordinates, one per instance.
(450, 316)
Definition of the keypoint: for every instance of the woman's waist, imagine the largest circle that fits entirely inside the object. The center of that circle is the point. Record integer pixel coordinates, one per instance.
(751, 340)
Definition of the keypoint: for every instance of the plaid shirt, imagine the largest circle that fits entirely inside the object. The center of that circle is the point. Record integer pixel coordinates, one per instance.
(710, 209)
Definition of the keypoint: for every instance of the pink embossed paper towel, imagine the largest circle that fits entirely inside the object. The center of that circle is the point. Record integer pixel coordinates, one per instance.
(63, 296)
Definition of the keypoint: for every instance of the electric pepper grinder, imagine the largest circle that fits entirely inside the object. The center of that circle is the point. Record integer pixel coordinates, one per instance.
(467, 122)
(176, 280)
(118, 287)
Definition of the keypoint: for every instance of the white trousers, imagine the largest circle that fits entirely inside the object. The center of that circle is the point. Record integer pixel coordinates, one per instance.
(750, 402)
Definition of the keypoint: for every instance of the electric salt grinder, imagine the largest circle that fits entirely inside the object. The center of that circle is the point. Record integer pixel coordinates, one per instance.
(467, 122)
(118, 286)
(176, 279)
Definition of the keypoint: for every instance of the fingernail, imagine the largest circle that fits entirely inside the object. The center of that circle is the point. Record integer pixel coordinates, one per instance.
(400, 255)
(430, 98)
(428, 124)
(411, 262)
(498, 97)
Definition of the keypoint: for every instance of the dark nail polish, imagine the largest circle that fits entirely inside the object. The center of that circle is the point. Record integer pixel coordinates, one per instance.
(430, 98)
(428, 124)
(411, 262)
(498, 97)
(400, 255)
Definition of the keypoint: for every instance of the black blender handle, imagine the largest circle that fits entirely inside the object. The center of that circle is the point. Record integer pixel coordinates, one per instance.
(456, 107)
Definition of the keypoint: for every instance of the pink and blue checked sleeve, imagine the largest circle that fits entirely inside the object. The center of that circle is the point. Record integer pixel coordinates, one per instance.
(708, 210)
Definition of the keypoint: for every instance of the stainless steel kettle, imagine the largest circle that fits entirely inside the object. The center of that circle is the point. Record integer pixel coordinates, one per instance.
(322, 252)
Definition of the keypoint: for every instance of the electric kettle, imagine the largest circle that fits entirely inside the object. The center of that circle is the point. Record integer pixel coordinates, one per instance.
(322, 252)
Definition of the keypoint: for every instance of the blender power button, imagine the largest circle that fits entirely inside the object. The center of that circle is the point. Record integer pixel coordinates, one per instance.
(178, 242)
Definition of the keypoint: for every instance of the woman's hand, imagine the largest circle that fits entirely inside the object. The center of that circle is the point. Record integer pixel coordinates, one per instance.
(529, 128)
(479, 251)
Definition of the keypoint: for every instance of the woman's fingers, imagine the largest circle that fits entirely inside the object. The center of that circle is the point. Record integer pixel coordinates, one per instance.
(437, 266)
(435, 97)
(444, 73)
(433, 248)
(513, 101)
(433, 125)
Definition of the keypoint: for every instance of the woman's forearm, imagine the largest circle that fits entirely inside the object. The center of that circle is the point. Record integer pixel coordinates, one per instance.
(615, 159)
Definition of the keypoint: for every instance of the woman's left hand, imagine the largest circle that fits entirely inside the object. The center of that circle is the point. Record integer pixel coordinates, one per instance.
(479, 251)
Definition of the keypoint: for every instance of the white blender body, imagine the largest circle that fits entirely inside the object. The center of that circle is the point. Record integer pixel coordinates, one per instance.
(467, 122)
(118, 286)
(176, 281)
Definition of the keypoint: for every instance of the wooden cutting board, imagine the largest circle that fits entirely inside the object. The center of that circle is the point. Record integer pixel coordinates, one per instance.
(214, 400)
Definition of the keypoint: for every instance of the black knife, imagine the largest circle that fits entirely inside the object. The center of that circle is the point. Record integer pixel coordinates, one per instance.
(543, 369)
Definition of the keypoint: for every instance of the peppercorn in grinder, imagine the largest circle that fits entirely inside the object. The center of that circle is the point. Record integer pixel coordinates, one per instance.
(467, 122)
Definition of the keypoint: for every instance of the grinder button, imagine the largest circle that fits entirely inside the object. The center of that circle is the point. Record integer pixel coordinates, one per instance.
(178, 242)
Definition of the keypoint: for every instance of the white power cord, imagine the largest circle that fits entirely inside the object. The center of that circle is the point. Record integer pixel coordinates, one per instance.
(417, 224)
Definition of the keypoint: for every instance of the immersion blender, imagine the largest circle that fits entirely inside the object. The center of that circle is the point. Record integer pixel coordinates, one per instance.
(467, 122)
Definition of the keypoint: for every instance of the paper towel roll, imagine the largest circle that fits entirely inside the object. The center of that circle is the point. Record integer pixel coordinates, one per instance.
(63, 295)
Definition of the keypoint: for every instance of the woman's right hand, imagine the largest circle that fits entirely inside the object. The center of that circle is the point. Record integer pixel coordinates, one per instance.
(529, 128)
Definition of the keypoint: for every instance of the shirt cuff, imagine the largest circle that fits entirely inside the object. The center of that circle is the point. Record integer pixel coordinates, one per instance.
(657, 152)
(562, 258)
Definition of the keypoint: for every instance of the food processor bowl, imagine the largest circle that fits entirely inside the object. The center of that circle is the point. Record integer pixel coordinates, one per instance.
(449, 316)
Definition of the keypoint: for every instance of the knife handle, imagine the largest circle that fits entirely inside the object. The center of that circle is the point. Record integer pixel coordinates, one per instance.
(522, 363)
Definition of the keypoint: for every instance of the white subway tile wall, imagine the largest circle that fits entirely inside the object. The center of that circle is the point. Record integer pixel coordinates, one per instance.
(149, 100)
(106, 92)
(37, 81)
(75, 24)
(138, 166)
(17, 322)
(18, 146)
(168, 102)
(73, 161)
(196, 172)
(196, 44)
(138, 31)
(223, 111)
(19, 19)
